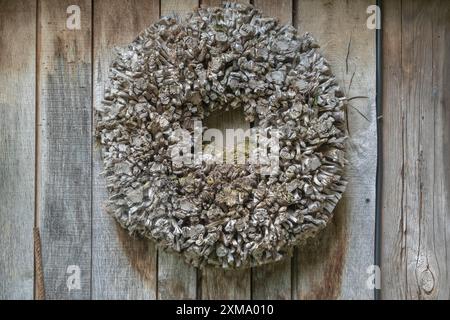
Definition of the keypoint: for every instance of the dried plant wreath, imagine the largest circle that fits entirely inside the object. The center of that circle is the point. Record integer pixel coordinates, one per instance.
(181, 70)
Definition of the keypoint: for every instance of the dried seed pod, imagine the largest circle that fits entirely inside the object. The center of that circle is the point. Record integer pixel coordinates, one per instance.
(179, 71)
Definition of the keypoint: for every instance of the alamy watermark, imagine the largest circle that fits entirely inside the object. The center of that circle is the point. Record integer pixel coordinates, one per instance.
(374, 19)
(374, 279)
(73, 21)
(254, 146)
(74, 279)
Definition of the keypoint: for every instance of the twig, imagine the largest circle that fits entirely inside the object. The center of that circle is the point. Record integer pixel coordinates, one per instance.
(362, 115)
(357, 97)
(348, 54)
(351, 81)
(39, 272)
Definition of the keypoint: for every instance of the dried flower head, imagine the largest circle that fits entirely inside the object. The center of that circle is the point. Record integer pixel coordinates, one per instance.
(181, 70)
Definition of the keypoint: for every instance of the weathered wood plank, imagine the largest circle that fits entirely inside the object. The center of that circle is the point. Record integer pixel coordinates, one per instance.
(17, 147)
(279, 9)
(211, 3)
(178, 7)
(441, 191)
(65, 130)
(219, 3)
(176, 279)
(273, 281)
(123, 267)
(335, 264)
(393, 217)
(426, 212)
(220, 284)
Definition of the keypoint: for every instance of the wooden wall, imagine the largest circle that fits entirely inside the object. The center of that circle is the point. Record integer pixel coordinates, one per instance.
(52, 77)
(416, 150)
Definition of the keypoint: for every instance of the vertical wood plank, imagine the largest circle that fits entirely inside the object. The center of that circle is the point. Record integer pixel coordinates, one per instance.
(218, 283)
(218, 3)
(441, 201)
(211, 3)
(416, 175)
(17, 147)
(334, 265)
(279, 9)
(273, 281)
(425, 237)
(177, 7)
(176, 279)
(65, 130)
(393, 216)
(123, 267)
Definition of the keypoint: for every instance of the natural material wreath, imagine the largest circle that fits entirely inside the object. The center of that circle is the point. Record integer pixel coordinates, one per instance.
(181, 70)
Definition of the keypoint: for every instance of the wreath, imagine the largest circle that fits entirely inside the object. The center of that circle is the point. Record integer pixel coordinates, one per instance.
(177, 73)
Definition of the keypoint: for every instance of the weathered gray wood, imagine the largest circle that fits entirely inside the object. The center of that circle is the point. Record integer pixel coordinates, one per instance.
(17, 147)
(394, 217)
(218, 3)
(419, 227)
(279, 9)
(65, 130)
(223, 284)
(178, 7)
(211, 3)
(439, 226)
(417, 93)
(273, 281)
(334, 266)
(176, 279)
(419, 142)
(123, 267)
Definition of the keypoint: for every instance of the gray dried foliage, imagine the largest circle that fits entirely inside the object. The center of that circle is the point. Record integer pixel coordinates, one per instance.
(180, 70)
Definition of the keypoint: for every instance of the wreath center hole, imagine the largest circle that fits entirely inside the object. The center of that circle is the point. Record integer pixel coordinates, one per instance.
(227, 136)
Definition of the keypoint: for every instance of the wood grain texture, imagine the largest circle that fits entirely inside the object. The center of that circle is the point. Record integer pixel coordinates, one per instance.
(17, 147)
(273, 281)
(71, 73)
(176, 279)
(417, 232)
(440, 230)
(427, 271)
(220, 284)
(211, 3)
(65, 131)
(281, 9)
(123, 267)
(334, 265)
(178, 7)
(394, 219)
